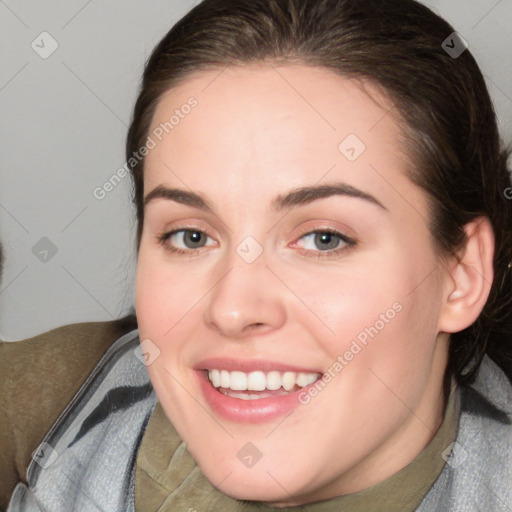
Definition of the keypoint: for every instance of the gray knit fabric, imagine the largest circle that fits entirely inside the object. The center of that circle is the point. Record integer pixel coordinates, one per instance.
(87, 460)
(478, 475)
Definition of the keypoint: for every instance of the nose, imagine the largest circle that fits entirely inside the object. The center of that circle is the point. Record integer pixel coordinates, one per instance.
(247, 300)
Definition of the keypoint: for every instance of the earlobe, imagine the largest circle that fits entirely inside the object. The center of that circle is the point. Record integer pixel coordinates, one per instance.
(469, 278)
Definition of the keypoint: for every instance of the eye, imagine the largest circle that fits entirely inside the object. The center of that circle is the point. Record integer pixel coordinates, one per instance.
(325, 242)
(318, 243)
(183, 241)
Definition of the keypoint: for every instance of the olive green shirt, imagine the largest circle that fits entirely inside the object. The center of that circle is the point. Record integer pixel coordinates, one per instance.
(39, 376)
(167, 473)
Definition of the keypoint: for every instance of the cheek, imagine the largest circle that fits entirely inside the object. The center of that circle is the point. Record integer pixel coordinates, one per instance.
(382, 310)
(389, 346)
(348, 298)
(162, 296)
(162, 302)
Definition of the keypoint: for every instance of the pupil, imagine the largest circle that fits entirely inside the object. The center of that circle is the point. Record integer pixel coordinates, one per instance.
(326, 239)
(194, 237)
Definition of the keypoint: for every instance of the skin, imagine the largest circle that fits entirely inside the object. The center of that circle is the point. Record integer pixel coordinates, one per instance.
(257, 133)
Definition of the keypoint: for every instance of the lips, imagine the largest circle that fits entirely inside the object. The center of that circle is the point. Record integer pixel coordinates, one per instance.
(250, 365)
(252, 391)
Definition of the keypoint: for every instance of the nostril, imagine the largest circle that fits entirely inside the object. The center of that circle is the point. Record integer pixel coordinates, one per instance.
(255, 326)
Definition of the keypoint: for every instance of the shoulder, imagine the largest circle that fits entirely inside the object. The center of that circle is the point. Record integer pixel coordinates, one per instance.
(38, 377)
(478, 473)
(486, 438)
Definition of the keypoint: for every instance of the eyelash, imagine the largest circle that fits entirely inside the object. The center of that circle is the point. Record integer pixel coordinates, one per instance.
(349, 243)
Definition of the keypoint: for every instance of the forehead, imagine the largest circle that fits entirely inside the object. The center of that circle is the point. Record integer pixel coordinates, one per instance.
(307, 100)
(261, 127)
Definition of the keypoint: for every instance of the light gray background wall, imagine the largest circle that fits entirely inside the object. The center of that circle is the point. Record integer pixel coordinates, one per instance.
(69, 256)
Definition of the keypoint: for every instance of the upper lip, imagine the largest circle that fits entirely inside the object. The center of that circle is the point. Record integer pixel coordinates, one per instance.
(250, 365)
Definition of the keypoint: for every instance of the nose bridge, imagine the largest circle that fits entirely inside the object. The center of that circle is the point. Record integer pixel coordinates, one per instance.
(244, 297)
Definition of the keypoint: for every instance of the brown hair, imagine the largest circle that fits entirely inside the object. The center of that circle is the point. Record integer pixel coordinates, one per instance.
(396, 45)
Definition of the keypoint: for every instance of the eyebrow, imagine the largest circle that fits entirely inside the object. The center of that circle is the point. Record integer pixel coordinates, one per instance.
(295, 197)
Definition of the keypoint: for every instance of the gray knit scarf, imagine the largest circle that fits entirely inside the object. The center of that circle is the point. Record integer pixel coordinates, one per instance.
(87, 460)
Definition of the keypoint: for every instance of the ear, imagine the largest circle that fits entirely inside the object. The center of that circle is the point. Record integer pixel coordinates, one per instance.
(469, 278)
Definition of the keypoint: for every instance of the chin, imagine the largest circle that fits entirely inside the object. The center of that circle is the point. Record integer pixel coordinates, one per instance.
(254, 484)
(265, 492)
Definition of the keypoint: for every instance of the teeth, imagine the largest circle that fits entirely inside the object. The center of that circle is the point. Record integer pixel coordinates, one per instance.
(256, 381)
(259, 381)
(273, 380)
(305, 379)
(215, 378)
(238, 381)
(224, 379)
(244, 396)
(289, 380)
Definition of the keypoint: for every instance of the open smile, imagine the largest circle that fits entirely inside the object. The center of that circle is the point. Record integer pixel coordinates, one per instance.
(253, 396)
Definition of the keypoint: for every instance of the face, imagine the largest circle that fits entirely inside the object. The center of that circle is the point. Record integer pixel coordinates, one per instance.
(287, 278)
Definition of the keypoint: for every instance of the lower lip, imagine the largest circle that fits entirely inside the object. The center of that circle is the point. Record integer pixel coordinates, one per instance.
(248, 411)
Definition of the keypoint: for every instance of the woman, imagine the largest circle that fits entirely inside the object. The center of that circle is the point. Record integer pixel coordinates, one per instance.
(323, 284)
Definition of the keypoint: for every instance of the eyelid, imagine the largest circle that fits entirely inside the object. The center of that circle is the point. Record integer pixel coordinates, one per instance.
(348, 241)
(326, 226)
(168, 233)
(193, 225)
